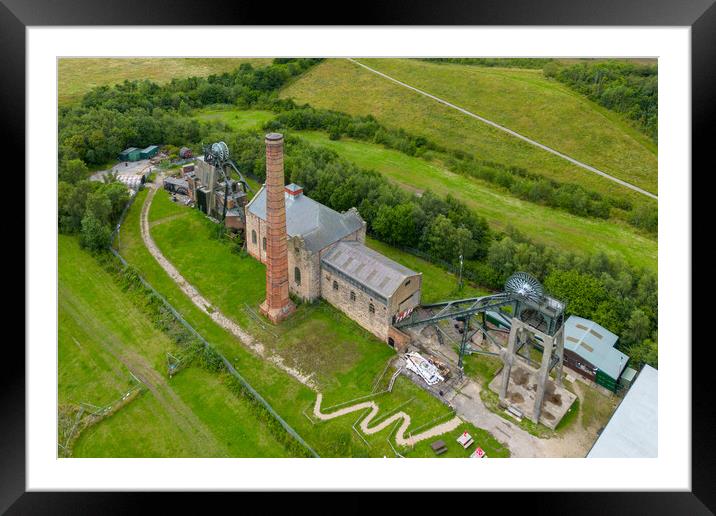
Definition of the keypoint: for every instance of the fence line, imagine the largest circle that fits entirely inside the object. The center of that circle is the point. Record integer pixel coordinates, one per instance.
(227, 364)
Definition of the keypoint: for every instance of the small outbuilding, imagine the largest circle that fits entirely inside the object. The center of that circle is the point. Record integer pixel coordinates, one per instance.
(130, 154)
(149, 152)
(589, 350)
(632, 432)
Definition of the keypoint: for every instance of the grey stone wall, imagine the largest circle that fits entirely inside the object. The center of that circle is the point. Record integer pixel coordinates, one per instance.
(377, 322)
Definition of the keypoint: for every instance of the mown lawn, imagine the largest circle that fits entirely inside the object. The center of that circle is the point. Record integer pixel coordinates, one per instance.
(543, 224)
(344, 86)
(237, 120)
(77, 76)
(345, 359)
(539, 108)
(100, 329)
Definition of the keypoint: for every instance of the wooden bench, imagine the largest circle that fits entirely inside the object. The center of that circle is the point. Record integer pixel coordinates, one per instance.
(439, 447)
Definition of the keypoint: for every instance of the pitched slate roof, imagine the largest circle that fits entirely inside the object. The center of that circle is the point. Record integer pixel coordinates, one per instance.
(319, 225)
(367, 267)
(595, 344)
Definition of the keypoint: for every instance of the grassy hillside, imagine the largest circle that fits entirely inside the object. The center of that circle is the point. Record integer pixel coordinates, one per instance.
(539, 108)
(76, 76)
(344, 86)
(542, 224)
(103, 336)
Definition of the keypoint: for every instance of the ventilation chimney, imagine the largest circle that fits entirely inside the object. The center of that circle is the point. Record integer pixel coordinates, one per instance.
(277, 306)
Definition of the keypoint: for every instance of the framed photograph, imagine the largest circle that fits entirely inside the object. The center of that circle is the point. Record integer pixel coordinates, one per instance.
(289, 257)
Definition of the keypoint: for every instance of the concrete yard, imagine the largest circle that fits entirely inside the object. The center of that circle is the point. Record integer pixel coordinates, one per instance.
(521, 395)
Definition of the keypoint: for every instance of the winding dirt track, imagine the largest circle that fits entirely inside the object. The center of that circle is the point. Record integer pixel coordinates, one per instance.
(219, 318)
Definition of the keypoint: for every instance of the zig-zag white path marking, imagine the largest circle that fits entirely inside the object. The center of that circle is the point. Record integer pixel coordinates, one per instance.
(400, 438)
(203, 304)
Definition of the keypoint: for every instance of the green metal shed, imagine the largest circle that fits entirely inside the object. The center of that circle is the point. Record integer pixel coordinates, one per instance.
(130, 154)
(149, 152)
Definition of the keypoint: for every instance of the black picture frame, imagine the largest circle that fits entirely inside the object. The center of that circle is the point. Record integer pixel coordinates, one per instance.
(700, 15)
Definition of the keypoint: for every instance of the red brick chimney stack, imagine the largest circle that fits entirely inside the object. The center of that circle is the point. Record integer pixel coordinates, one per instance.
(277, 306)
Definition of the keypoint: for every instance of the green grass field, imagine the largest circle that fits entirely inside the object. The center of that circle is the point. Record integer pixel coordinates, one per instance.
(76, 76)
(103, 336)
(543, 224)
(343, 86)
(346, 359)
(94, 313)
(237, 120)
(539, 108)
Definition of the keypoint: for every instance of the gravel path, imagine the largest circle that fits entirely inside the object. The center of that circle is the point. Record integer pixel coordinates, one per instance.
(400, 438)
(510, 131)
(204, 304)
(219, 318)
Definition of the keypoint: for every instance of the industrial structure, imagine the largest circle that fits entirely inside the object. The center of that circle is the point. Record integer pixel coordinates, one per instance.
(277, 305)
(536, 320)
(322, 253)
(211, 186)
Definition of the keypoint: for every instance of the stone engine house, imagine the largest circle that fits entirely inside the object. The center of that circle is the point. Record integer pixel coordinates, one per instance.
(328, 258)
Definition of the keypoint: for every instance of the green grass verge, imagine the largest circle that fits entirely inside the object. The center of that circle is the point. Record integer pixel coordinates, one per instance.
(543, 224)
(92, 312)
(101, 327)
(343, 86)
(77, 76)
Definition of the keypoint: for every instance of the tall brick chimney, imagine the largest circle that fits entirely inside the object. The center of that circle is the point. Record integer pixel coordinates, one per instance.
(277, 306)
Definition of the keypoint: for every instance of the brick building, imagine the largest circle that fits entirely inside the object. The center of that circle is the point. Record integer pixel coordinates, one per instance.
(327, 258)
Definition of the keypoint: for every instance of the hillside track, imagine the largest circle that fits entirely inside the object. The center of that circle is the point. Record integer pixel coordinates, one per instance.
(509, 131)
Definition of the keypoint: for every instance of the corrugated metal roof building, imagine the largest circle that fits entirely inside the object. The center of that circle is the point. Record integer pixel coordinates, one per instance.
(148, 152)
(589, 350)
(130, 154)
(367, 268)
(632, 431)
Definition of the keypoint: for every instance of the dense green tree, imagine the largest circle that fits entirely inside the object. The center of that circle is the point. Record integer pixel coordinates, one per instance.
(98, 206)
(95, 234)
(73, 170)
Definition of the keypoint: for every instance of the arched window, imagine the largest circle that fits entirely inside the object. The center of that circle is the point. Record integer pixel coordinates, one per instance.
(253, 236)
(335, 285)
(371, 308)
(297, 275)
(353, 296)
(264, 243)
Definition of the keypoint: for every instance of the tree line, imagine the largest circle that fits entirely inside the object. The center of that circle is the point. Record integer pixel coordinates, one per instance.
(520, 182)
(109, 119)
(614, 294)
(88, 208)
(627, 88)
(139, 113)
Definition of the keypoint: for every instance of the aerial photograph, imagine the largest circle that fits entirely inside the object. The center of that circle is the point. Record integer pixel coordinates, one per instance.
(357, 257)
